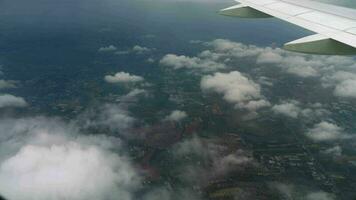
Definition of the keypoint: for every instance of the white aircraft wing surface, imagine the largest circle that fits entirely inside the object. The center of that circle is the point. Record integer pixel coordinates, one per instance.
(335, 26)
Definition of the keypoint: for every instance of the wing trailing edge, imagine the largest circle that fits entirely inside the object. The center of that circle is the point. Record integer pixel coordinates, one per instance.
(243, 12)
(319, 44)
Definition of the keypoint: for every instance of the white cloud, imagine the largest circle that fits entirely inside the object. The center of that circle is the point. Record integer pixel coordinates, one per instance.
(176, 115)
(140, 50)
(109, 48)
(178, 62)
(290, 109)
(8, 100)
(301, 65)
(304, 72)
(4, 84)
(269, 57)
(344, 83)
(228, 48)
(236, 88)
(295, 109)
(47, 159)
(123, 77)
(346, 88)
(325, 131)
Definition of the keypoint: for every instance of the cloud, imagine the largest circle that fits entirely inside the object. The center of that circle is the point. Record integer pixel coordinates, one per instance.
(205, 160)
(134, 94)
(319, 196)
(140, 50)
(46, 158)
(291, 191)
(8, 100)
(137, 49)
(150, 60)
(346, 88)
(301, 65)
(231, 161)
(236, 88)
(111, 116)
(290, 109)
(176, 115)
(333, 151)
(4, 84)
(294, 109)
(269, 57)
(123, 77)
(179, 62)
(344, 83)
(325, 131)
(110, 48)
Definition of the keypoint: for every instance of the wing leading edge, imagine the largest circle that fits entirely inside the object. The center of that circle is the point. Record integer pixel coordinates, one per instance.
(335, 26)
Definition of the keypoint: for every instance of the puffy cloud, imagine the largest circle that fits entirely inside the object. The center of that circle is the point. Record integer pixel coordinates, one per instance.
(176, 115)
(290, 109)
(4, 84)
(8, 100)
(123, 77)
(301, 65)
(269, 57)
(236, 88)
(344, 83)
(140, 50)
(346, 88)
(304, 72)
(325, 131)
(295, 109)
(109, 48)
(178, 62)
(227, 48)
(47, 159)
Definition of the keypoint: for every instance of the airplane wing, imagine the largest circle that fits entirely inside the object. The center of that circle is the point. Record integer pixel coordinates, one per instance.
(335, 26)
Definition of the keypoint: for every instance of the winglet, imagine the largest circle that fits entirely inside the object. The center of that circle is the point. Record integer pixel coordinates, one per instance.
(319, 44)
(243, 11)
